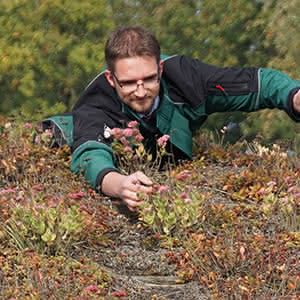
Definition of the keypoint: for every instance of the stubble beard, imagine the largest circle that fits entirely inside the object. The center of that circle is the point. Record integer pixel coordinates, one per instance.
(144, 106)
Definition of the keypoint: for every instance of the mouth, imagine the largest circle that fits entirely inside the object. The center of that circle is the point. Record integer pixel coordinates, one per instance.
(142, 101)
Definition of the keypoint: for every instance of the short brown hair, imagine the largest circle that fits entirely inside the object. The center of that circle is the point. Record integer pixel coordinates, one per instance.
(131, 41)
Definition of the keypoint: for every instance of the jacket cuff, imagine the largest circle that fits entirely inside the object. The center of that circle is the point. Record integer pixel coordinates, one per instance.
(101, 175)
(290, 109)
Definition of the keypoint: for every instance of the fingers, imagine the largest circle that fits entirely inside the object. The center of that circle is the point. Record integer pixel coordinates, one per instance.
(137, 183)
(143, 178)
(132, 205)
(132, 200)
(133, 191)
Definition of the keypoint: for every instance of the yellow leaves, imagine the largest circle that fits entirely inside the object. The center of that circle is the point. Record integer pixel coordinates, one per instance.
(48, 237)
(244, 289)
(227, 188)
(3, 235)
(267, 209)
(140, 151)
(294, 283)
(198, 237)
(281, 268)
(8, 166)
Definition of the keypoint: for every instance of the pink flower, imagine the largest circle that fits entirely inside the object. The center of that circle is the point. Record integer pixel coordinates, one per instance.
(132, 124)
(128, 132)
(119, 294)
(128, 149)
(182, 175)
(27, 125)
(162, 141)
(124, 141)
(293, 189)
(38, 187)
(185, 197)
(20, 198)
(92, 288)
(163, 188)
(78, 195)
(261, 191)
(84, 208)
(115, 132)
(187, 200)
(4, 192)
(135, 131)
(139, 138)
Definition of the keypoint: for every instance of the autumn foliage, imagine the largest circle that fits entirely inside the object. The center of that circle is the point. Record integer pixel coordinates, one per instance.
(228, 221)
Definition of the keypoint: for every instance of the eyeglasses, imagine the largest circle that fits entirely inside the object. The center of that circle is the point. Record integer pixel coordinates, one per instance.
(130, 86)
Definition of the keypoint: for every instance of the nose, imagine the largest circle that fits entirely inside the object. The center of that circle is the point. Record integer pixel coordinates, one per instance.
(140, 90)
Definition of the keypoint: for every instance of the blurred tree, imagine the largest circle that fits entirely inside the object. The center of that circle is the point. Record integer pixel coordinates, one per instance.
(283, 33)
(216, 31)
(50, 49)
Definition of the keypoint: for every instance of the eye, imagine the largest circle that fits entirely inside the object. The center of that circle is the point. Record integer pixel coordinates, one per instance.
(150, 78)
(129, 82)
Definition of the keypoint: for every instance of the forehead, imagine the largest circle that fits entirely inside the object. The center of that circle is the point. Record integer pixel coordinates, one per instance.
(135, 67)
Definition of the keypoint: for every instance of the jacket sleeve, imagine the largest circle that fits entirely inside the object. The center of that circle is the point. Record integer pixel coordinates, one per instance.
(277, 91)
(206, 89)
(94, 160)
(274, 90)
(92, 154)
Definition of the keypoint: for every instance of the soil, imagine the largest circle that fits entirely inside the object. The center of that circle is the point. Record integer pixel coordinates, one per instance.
(137, 262)
(140, 267)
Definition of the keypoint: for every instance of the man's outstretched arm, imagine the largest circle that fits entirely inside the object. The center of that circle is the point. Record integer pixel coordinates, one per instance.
(126, 187)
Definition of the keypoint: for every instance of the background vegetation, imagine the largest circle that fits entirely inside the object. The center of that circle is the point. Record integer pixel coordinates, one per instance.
(51, 49)
(224, 226)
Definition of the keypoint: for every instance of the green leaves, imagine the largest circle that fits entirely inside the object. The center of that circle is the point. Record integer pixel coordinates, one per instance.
(284, 25)
(47, 230)
(169, 211)
(48, 237)
(51, 50)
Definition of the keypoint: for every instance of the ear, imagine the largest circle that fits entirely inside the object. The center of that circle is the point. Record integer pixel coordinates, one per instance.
(161, 66)
(109, 78)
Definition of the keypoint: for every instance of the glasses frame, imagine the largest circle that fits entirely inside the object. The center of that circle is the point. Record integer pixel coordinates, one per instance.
(121, 85)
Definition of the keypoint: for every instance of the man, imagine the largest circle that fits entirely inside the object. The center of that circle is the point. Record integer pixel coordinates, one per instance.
(176, 93)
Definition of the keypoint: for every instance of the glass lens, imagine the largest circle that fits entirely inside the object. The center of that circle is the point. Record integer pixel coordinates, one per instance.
(130, 86)
(150, 82)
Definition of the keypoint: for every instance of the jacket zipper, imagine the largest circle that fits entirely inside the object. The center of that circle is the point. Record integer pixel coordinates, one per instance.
(228, 88)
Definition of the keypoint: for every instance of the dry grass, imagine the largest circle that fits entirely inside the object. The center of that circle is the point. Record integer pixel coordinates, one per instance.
(61, 240)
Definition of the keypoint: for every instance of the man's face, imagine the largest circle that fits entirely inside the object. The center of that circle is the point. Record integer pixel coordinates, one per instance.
(136, 80)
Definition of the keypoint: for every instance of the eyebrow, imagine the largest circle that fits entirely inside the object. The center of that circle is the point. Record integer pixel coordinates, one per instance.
(135, 80)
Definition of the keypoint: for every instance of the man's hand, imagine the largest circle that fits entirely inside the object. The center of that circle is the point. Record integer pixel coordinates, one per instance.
(126, 187)
(296, 102)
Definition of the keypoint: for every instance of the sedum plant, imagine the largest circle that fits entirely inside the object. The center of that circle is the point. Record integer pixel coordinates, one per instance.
(131, 154)
(167, 210)
(48, 230)
(170, 211)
